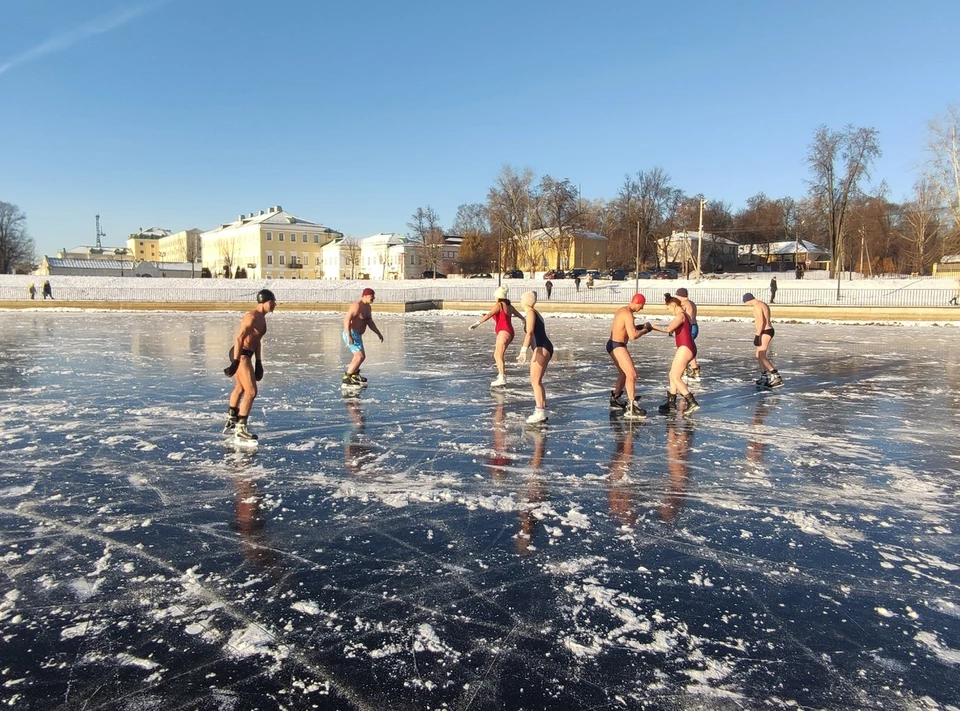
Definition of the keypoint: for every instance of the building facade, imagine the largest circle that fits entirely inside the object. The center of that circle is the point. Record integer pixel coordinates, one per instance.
(684, 249)
(273, 244)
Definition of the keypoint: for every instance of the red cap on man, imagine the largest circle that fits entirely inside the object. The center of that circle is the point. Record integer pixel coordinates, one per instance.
(368, 292)
(638, 299)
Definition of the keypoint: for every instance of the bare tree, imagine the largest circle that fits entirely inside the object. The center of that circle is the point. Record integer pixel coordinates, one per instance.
(558, 213)
(921, 224)
(351, 254)
(511, 205)
(839, 161)
(944, 148)
(16, 245)
(425, 231)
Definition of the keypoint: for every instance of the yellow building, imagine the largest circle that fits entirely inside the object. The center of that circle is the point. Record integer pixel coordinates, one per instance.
(270, 245)
(145, 244)
(550, 248)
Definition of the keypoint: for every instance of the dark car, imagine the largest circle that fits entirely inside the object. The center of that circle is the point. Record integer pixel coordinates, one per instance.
(433, 275)
(513, 274)
(482, 275)
(554, 274)
(614, 275)
(644, 275)
(578, 272)
(595, 273)
(666, 274)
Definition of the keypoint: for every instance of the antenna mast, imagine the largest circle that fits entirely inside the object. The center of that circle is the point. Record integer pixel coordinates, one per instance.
(99, 235)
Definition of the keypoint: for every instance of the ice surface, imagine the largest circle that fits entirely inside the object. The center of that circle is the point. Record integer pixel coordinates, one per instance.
(420, 547)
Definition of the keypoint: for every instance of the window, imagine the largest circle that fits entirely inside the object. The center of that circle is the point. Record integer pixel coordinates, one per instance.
(316, 239)
(280, 236)
(293, 236)
(293, 258)
(317, 263)
(303, 238)
(269, 236)
(282, 257)
(270, 259)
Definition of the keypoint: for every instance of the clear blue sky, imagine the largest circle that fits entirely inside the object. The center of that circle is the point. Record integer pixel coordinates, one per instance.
(185, 113)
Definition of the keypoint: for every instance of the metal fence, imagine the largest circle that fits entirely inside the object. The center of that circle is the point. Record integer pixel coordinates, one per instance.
(866, 293)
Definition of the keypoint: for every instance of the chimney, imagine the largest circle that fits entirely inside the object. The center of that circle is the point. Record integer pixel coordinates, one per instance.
(240, 219)
(261, 212)
(279, 209)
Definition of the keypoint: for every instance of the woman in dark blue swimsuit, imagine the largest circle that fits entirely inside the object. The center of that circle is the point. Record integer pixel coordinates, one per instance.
(535, 336)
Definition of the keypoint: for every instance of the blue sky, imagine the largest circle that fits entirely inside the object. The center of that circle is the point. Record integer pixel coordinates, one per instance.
(185, 113)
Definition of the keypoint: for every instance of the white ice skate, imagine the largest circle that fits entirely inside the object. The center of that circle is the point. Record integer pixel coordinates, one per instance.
(499, 382)
(539, 415)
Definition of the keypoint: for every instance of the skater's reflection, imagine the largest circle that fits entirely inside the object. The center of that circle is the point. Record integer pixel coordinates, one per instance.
(356, 452)
(756, 446)
(251, 524)
(679, 439)
(499, 460)
(619, 493)
(535, 493)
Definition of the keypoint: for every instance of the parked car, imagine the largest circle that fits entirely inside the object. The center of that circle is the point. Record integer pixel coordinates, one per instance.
(614, 275)
(554, 274)
(482, 275)
(578, 272)
(595, 273)
(666, 274)
(432, 275)
(644, 275)
(513, 274)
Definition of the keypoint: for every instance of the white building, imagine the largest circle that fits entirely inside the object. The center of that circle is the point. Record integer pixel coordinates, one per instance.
(785, 252)
(686, 248)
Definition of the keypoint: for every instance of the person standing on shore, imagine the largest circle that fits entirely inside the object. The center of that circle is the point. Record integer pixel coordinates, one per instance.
(358, 319)
(247, 344)
(686, 351)
(690, 309)
(624, 330)
(773, 290)
(502, 313)
(535, 337)
(549, 287)
(32, 290)
(47, 291)
(764, 333)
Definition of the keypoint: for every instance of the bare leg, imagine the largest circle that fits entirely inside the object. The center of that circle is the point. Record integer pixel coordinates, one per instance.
(354, 366)
(247, 386)
(504, 338)
(680, 361)
(628, 373)
(765, 364)
(538, 366)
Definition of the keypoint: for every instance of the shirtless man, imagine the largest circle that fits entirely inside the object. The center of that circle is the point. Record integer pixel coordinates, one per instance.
(358, 318)
(690, 309)
(625, 330)
(253, 327)
(763, 326)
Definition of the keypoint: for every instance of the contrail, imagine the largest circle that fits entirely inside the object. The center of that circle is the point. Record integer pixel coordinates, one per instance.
(88, 29)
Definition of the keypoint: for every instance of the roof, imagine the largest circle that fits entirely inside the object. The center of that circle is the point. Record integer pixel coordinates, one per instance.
(551, 232)
(950, 259)
(152, 233)
(275, 216)
(387, 238)
(783, 247)
(56, 262)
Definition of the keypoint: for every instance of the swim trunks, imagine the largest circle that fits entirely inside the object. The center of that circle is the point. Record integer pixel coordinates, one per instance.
(357, 345)
(612, 345)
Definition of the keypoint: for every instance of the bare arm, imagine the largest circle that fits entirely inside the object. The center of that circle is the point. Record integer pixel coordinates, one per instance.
(245, 331)
(348, 317)
(757, 319)
(373, 327)
(528, 331)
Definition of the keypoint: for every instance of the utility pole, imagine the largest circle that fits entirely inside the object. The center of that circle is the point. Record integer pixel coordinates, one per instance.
(100, 234)
(499, 255)
(700, 241)
(637, 273)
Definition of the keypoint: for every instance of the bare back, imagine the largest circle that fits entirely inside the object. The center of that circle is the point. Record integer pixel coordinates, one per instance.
(253, 328)
(761, 316)
(690, 309)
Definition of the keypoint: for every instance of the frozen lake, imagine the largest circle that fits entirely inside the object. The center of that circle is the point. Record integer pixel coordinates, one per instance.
(420, 548)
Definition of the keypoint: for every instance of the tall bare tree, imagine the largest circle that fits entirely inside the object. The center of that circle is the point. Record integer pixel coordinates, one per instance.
(839, 161)
(16, 245)
(559, 211)
(511, 205)
(922, 225)
(351, 249)
(425, 231)
(944, 148)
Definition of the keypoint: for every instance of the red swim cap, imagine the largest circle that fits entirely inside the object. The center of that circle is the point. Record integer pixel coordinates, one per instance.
(368, 292)
(638, 299)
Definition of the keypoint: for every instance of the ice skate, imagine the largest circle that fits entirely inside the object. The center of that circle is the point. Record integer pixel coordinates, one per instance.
(692, 375)
(499, 382)
(619, 401)
(764, 379)
(692, 404)
(360, 377)
(229, 426)
(669, 406)
(539, 415)
(242, 433)
(634, 412)
(774, 381)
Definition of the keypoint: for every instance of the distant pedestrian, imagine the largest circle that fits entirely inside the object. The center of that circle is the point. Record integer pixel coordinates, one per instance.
(32, 290)
(773, 290)
(549, 286)
(954, 300)
(798, 272)
(576, 283)
(47, 291)
(589, 281)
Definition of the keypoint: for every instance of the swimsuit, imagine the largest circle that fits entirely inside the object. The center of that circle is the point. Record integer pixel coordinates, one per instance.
(540, 339)
(247, 353)
(357, 345)
(694, 331)
(683, 338)
(612, 345)
(767, 332)
(503, 321)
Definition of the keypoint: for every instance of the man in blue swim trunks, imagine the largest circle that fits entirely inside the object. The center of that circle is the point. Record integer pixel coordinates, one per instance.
(359, 317)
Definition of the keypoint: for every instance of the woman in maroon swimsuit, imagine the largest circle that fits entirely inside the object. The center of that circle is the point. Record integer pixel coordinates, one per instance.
(686, 352)
(502, 313)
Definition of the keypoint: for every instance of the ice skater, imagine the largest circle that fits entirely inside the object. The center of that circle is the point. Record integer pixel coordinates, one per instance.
(247, 344)
(502, 313)
(763, 325)
(690, 309)
(535, 337)
(358, 319)
(686, 351)
(624, 330)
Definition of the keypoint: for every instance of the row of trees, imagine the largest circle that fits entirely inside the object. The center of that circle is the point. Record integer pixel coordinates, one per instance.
(863, 229)
(16, 245)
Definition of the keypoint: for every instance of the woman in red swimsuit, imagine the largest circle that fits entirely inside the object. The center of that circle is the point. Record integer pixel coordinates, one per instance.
(502, 314)
(686, 352)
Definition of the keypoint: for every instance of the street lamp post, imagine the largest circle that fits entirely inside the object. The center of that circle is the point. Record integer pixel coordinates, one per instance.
(120, 252)
(499, 255)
